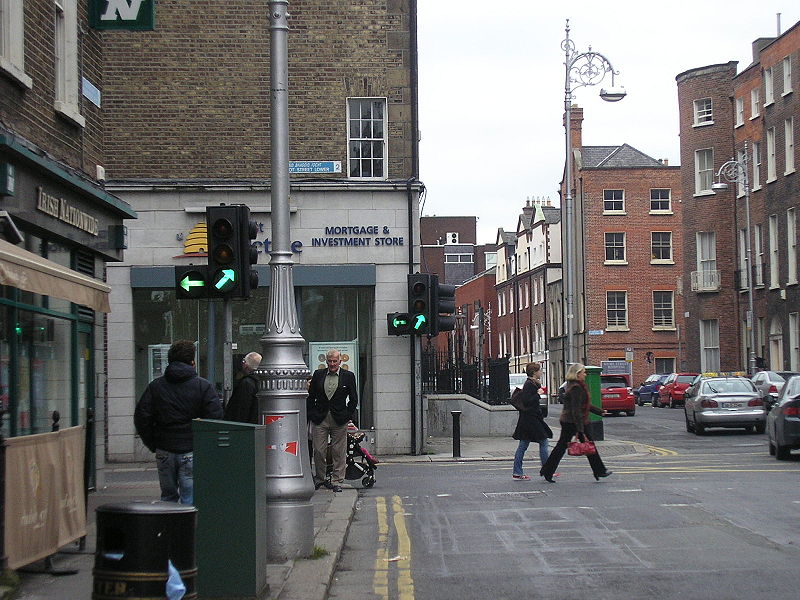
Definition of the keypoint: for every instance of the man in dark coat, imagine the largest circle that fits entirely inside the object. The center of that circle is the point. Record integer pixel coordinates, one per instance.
(331, 403)
(163, 419)
(243, 404)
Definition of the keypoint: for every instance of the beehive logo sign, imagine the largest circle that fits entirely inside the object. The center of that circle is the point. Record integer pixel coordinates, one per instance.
(196, 243)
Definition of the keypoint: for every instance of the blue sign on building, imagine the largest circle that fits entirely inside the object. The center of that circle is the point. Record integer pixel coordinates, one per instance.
(315, 166)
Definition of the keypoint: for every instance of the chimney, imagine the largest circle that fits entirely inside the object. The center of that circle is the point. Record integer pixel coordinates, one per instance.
(576, 126)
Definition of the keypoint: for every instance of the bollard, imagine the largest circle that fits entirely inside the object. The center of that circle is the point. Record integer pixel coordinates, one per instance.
(456, 433)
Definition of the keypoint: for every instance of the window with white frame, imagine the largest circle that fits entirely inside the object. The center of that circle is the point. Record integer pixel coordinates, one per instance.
(769, 92)
(787, 75)
(709, 345)
(12, 41)
(66, 61)
(500, 304)
(794, 341)
(615, 247)
(758, 251)
(744, 276)
(661, 200)
(774, 280)
(788, 140)
(707, 258)
(527, 294)
(510, 300)
(791, 245)
(772, 171)
(617, 310)
(663, 310)
(458, 258)
(490, 258)
(756, 179)
(755, 102)
(661, 247)
(703, 170)
(613, 200)
(739, 112)
(740, 158)
(366, 138)
(703, 112)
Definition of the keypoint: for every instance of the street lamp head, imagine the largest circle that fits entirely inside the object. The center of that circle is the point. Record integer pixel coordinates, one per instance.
(613, 94)
(719, 186)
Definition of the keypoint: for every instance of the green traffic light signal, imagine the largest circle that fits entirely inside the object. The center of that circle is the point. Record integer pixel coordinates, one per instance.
(191, 282)
(420, 323)
(224, 280)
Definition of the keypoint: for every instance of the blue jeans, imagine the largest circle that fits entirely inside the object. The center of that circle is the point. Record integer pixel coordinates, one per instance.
(175, 474)
(544, 453)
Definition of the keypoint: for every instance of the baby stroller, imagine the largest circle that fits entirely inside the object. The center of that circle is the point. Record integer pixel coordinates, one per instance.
(360, 463)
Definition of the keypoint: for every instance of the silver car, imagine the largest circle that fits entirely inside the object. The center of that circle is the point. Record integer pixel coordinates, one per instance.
(783, 421)
(724, 402)
(769, 384)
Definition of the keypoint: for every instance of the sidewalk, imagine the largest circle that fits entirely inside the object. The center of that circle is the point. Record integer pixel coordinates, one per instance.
(302, 579)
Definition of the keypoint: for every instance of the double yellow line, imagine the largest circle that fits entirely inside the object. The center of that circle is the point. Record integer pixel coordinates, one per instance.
(401, 562)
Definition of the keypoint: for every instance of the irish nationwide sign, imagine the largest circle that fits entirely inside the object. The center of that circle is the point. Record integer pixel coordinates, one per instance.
(122, 14)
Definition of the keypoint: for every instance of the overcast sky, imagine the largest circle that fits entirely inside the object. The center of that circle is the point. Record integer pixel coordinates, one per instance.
(491, 88)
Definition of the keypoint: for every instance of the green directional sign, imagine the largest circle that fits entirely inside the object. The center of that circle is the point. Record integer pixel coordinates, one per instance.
(399, 323)
(224, 280)
(191, 282)
(420, 322)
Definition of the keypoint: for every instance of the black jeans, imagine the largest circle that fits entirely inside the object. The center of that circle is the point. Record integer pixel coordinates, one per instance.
(568, 431)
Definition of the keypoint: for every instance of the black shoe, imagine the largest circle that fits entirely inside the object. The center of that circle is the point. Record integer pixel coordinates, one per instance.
(605, 473)
(548, 478)
(318, 484)
(335, 488)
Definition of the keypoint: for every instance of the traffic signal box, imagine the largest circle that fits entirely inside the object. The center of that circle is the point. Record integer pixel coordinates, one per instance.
(444, 307)
(232, 257)
(420, 303)
(430, 307)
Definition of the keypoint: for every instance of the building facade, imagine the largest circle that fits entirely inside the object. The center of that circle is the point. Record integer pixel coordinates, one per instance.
(750, 118)
(629, 296)
(60, 226)
(189, 127)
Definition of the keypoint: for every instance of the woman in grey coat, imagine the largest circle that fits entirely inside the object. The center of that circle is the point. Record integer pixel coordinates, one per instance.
(530, 424)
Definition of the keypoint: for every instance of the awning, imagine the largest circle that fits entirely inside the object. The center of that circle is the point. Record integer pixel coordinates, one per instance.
(27, 271)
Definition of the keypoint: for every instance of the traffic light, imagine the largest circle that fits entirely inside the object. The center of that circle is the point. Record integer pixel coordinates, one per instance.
(224, 251)
(399, 323)
(191, 282)
(420, 302)
(249, 253)
(444, 306)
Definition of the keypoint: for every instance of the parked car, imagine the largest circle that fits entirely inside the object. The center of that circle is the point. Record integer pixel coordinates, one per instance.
(783, 421)
(517, 380)
(671, 391)
(648, 390)
(724, 401)
(617, 395)
(769, 384)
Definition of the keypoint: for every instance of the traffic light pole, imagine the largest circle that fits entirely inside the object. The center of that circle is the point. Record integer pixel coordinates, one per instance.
(283, 371)
(227, 349)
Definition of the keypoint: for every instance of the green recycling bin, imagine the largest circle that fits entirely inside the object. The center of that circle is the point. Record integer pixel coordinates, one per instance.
(231, 499)
(595, 421)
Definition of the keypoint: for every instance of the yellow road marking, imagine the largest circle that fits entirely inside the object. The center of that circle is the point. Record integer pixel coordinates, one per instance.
(380, 581)
(660, 451)
(383, 564)
(405, 581)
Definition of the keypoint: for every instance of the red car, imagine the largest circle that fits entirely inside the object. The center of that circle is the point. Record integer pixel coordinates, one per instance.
(617, 395)
(671, 392)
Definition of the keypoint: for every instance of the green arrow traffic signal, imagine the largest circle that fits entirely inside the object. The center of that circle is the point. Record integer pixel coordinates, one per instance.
(225, 279)
(399, 322)
(419, 322)
(187, 283)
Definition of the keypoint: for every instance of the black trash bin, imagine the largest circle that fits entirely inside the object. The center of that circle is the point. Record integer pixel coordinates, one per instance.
(135, 541)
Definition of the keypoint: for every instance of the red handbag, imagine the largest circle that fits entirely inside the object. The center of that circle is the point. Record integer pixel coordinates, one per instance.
(581, 448)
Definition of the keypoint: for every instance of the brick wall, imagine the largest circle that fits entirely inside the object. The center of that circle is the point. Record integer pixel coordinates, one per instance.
(192, 98)
(30, 112)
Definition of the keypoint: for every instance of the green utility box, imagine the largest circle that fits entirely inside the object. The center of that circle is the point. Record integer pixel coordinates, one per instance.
(231, 499)
(595, 421)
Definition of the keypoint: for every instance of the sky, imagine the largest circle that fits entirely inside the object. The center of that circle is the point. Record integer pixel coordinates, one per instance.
(491, 88)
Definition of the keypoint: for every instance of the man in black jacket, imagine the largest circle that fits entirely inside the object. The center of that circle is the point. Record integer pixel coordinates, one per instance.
(332, 400)
(163, 420)
(243, 404)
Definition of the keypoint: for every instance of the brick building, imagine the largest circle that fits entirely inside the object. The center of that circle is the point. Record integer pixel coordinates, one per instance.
(54, 296)
(752, 118)
(629, 298)
(188, 125)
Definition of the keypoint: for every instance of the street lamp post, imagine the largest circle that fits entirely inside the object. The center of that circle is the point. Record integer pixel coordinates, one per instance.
(582, 69)
(283, 371)
(736, 171)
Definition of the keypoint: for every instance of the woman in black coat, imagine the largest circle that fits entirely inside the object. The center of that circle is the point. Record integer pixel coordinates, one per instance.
(574, 418)
(530, 424)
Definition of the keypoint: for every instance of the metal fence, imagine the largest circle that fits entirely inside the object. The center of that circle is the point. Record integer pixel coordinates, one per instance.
(485, 380)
